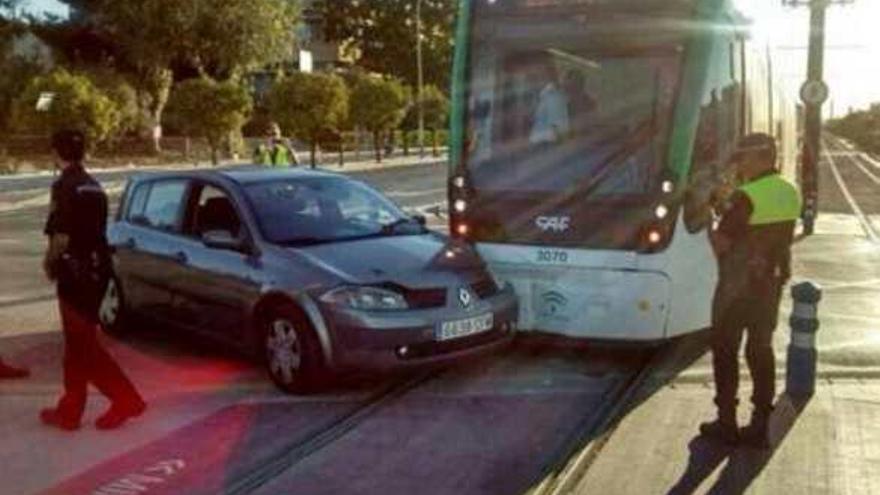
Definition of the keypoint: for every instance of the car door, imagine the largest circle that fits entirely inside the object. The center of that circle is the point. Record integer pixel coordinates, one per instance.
(218, 285)
(148, 251)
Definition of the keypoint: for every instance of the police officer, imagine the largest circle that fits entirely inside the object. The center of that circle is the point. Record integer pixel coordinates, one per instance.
(276, 151)
(77, 260)
(753, 243)
(10, 372)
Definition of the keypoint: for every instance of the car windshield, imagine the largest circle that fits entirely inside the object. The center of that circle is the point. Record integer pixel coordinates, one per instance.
(325, 209)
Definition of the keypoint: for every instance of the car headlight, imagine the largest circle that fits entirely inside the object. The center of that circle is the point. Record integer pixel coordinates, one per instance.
(366, 298)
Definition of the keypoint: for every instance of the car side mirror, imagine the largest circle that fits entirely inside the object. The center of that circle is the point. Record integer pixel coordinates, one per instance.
(420, 219)
(223, 239)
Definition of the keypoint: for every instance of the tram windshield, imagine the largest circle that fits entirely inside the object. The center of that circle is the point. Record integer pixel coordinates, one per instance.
(550, 113)
(568, 116)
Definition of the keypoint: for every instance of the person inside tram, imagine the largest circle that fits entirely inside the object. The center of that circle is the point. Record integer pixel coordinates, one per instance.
(550, 122)
(580, 103)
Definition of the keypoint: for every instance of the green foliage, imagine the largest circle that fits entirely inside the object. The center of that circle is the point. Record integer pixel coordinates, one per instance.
(435, 108)
(213, 110)
(78, 104)
(220, 38)
(15, 75)
(116, 87)
(383, 34)
(860, 127)
(310, 105)
(378, 105)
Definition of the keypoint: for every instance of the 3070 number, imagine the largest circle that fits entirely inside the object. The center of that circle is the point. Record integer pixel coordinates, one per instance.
(552, 256)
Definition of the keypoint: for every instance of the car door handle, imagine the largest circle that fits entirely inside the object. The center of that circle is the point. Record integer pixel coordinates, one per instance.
(180, 257)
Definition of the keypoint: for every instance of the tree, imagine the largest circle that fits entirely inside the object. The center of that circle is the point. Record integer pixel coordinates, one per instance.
(309, 105)
(116, 87)
(222, 38)
(435, 110)
(382, 33)
(378, 105)
(205, 108)
(77, 104)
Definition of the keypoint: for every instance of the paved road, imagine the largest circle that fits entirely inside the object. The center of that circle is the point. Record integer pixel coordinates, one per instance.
(494, 425)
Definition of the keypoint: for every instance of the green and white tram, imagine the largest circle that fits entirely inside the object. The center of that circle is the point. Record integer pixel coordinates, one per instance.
(589, 138)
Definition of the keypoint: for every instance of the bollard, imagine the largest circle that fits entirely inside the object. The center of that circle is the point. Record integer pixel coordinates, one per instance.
(801, 365)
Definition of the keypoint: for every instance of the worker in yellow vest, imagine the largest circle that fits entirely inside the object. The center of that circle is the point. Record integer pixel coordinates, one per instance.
(276, 151)
(753, 243)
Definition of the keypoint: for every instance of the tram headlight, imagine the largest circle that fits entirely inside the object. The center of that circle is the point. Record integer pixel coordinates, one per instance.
(668, 186)
(459, 205)
(458, 182)
(654, 237)
(661, 211)
(462, 229)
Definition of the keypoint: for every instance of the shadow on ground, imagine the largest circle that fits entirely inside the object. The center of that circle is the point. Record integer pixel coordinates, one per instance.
(743, 464)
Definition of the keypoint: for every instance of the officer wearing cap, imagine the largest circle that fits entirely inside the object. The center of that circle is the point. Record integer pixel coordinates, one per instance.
(78, 261)
(753, 244)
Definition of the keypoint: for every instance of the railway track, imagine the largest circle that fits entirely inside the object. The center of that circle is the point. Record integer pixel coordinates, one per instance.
(858, 183)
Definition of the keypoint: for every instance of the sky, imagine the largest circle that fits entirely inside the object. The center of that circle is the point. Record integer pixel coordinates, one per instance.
(852, 59)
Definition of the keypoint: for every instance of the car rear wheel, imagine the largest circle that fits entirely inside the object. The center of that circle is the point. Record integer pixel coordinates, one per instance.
(291, 352)
(112, 311)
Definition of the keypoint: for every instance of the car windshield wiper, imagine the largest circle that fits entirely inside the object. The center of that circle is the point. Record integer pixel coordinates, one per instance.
(389, 228)
(304, 241)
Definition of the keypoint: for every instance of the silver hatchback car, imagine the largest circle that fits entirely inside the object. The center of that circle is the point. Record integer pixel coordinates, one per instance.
(310, 271)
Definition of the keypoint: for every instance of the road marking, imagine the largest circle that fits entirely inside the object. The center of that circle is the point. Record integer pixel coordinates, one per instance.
(410, 194)
(870, 160)
(866, 171)
(863, 220)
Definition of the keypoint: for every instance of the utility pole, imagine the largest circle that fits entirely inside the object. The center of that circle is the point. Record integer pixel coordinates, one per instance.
(421, 81)
(814, 93)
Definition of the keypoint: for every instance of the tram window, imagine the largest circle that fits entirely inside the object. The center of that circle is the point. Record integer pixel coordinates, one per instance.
(716, 135)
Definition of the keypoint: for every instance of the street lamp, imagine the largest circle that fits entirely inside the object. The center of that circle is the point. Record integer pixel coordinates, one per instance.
(420, 79)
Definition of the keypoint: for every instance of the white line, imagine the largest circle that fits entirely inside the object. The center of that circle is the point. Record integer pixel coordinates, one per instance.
(870, 160)
(866, 171)
(409, 194)
(863, 220)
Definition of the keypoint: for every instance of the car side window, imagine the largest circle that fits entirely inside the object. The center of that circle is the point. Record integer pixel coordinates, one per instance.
(164, 205)
(213, 210)
(135, 211)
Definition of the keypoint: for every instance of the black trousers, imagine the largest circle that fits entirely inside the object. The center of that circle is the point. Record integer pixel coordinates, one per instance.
(86, 361)
(756, 315)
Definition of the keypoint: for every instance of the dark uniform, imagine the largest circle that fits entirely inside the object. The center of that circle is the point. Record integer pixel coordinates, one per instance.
(79, 210)
(759, 227)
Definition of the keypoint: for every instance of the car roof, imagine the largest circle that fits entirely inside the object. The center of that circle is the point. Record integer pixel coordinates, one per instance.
(240, 174)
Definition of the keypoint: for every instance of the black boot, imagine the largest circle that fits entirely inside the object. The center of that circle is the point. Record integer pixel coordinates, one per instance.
(722, 430)
(757, 433)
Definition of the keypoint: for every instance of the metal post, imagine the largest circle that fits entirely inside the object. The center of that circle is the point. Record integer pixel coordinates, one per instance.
(804, 322)
(420, 69)
(813, 115)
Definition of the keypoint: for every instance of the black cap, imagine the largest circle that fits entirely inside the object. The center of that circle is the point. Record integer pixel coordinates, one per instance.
(758, 144)
(70, 144)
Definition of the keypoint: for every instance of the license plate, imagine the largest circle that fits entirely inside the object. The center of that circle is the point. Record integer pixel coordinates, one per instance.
(450, 330)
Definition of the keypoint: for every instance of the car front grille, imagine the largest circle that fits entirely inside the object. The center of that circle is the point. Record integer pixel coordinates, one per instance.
(426, 298)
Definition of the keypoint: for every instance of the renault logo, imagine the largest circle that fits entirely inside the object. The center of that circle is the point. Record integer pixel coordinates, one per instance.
(465, 297)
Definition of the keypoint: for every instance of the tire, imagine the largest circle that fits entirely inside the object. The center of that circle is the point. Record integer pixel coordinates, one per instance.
(290, 351)
(112, 313)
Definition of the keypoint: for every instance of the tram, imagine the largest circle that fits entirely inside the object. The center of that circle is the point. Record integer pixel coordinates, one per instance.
(589, 140)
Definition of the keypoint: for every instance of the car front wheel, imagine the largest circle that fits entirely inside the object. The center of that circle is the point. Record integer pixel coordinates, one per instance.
(291, 352)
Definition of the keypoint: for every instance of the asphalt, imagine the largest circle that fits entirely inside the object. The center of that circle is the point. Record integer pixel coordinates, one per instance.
(545, 416)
